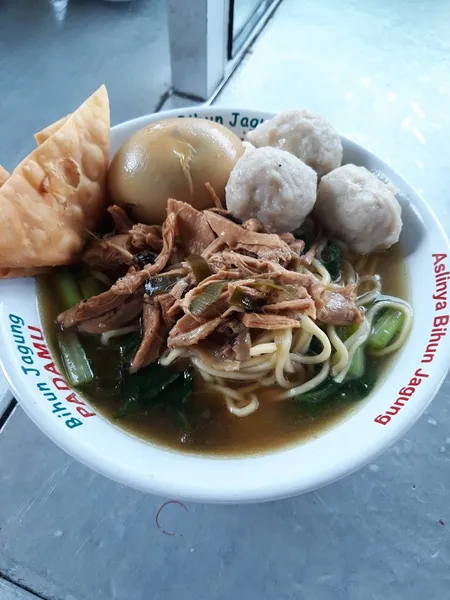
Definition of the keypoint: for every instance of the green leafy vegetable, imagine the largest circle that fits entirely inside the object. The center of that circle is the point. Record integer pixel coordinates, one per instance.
(108, 369)
(305, 236)
(128, 347)
(144, 386)
(179, 391)
(330, 392)
(176, 395)
(321, 392)
(385, 329)
(315, 347)
(158, 387)
(146, 257)
(331, 259)
(174, 399)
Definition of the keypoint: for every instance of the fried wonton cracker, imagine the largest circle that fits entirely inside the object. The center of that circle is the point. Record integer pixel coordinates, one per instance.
(44, 134)
(9, 273)
(4, 175)
(57, 193)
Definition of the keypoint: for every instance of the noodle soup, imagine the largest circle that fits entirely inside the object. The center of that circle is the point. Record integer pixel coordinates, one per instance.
(206, 425)
(220, 297)
(216, 325)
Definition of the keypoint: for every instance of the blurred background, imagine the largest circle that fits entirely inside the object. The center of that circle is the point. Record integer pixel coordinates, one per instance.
(54, 53)
(379, 70)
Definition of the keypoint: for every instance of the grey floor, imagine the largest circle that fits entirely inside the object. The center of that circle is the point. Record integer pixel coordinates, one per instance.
(54, 53)
(379, 71)
(243, 13)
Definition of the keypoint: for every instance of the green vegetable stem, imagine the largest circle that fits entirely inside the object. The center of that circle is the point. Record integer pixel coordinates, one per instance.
(385, 329)
(75, 361)
(67, 289)
(91, 287)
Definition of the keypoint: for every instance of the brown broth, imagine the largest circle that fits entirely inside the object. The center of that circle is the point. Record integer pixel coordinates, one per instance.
(215, 430)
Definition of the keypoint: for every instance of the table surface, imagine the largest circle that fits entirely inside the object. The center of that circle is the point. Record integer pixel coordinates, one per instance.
(379, 71)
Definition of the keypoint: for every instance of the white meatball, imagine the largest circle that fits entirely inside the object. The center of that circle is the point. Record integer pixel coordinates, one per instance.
(359, 209)
(272, 186)
(306, 135)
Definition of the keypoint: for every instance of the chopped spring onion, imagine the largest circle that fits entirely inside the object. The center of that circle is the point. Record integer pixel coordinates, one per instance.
(207, 297)
(251, 303)
(75, 361)
(199, 267)
(290, 291)
(271, 286)
(245, 300)
(159, 284)
(67, 289)
(385, 329)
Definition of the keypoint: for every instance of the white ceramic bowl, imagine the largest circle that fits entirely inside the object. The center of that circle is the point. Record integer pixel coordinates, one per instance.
(415, 376)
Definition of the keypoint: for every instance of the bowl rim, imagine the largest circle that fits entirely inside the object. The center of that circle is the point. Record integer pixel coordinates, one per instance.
(239, 493)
